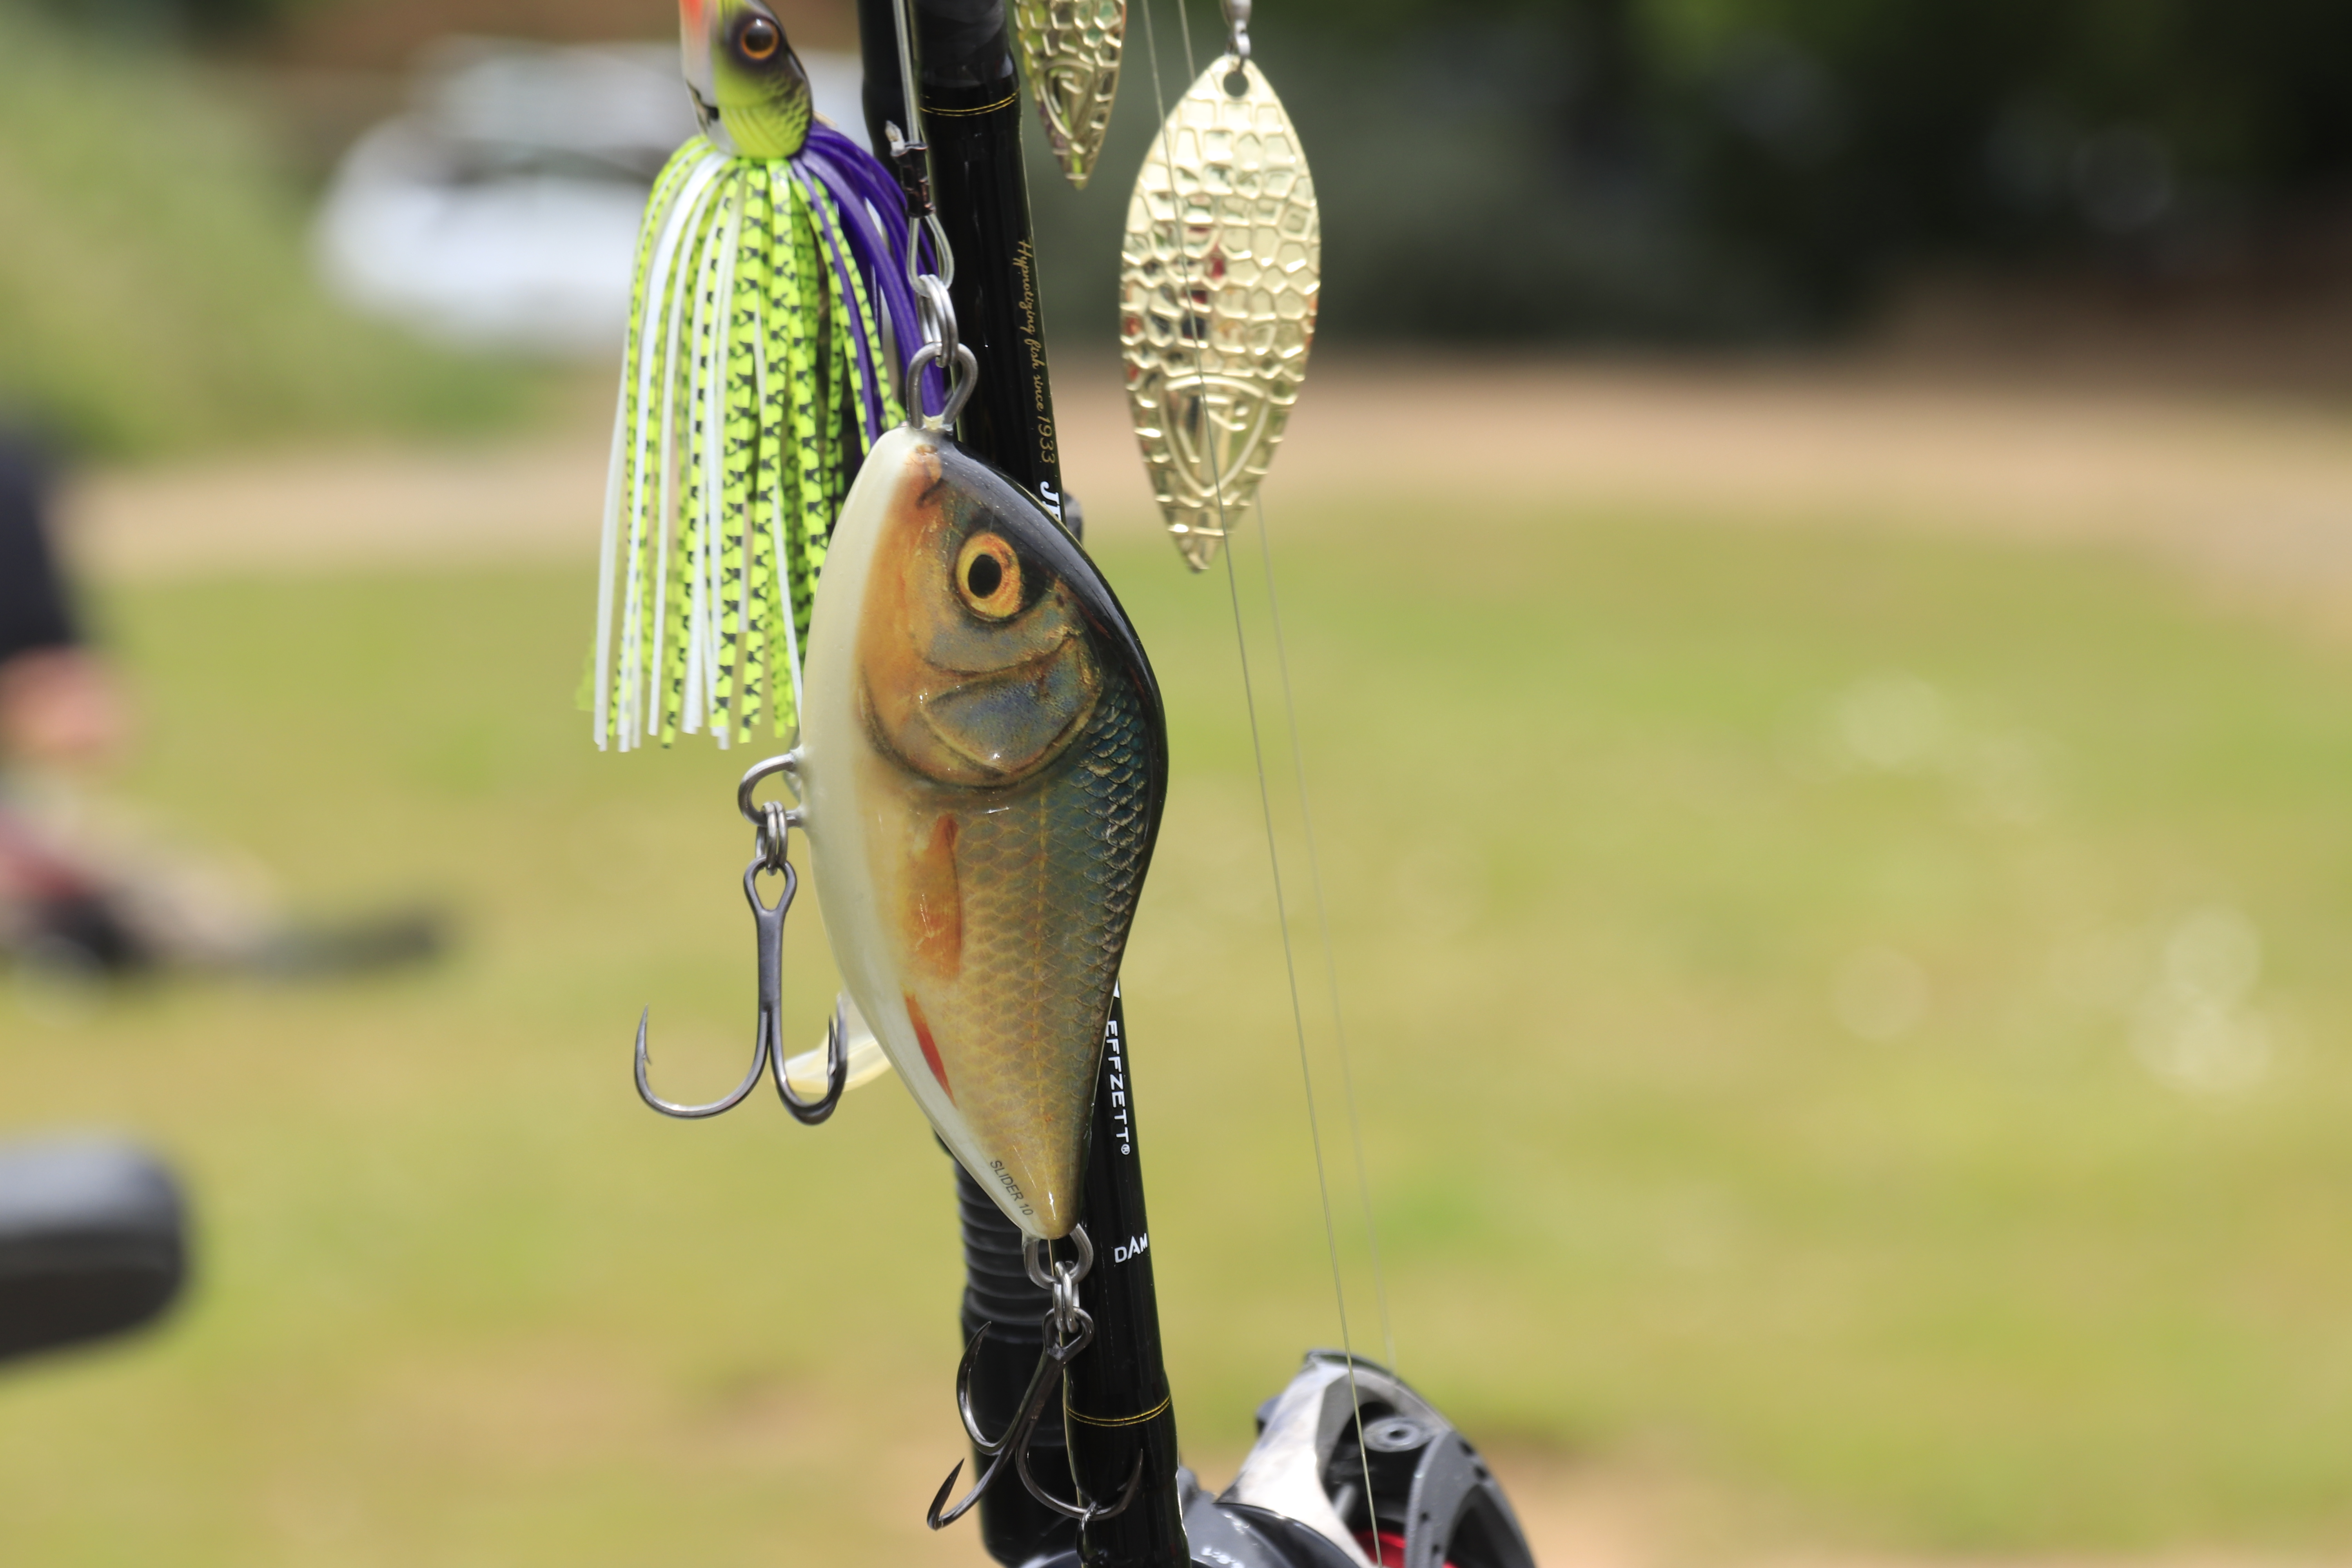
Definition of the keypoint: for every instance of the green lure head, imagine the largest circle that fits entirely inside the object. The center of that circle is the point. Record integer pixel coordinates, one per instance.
(749, 88)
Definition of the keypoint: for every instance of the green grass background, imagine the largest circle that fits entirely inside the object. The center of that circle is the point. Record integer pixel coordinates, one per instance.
(157, 293)
(1594, 856)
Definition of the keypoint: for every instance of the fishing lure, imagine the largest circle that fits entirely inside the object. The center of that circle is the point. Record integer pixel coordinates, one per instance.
(1070, 53)
(772, 319)
(983, 764)
(1218, 282)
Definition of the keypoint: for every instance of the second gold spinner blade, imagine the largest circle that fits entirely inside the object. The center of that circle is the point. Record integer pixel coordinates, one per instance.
(1218, 282)
(1069, 51)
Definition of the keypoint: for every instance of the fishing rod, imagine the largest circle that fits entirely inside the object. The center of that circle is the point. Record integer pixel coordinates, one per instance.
(1300, 1482)
(1118, 1436)
(836, 364)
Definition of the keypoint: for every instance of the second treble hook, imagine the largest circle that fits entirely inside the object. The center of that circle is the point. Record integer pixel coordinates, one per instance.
(773, 824)
(1067, 1330)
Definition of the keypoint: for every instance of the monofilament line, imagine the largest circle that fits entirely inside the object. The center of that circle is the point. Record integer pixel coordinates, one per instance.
(1265, 792)
(1306, 822)
(1323, 928)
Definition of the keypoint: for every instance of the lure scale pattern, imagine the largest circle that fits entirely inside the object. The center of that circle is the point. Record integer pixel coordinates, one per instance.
(1044, 934)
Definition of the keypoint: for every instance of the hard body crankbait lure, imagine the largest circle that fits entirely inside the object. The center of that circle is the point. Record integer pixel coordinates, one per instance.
(770, 327)
(982, 763)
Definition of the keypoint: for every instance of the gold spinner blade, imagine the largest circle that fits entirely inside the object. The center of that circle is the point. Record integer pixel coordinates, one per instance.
(1069, 51)
(1218, 282)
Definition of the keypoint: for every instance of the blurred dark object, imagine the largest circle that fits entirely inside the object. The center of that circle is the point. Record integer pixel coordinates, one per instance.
(76, 907)
(1757, 169)
(93, 1242)
(166, 21)
(1654, 171)
(357, 945)
(387, 34)
(1770, 166)
(1837, 146)
(75, 933)
(57, 702)
(34, 609)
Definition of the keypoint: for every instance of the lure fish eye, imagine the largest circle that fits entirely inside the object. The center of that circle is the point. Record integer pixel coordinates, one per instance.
(988, 577)
(760, 39)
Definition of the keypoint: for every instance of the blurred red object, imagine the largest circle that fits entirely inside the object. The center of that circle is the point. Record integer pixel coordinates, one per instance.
(1385, 1550)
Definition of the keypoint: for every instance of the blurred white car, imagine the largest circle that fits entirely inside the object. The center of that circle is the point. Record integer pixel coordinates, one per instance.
(502, 210)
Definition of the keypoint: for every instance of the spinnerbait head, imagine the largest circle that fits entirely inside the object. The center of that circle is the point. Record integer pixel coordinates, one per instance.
(749, 89)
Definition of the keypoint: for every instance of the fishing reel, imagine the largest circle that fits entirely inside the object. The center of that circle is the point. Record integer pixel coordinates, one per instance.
(1412, 1493)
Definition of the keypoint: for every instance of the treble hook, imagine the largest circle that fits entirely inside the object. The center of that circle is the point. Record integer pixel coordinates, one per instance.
(1089, 1513)
(1069, 1329)
(774, 824)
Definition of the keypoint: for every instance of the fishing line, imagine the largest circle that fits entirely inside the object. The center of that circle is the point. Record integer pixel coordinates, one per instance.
(1306, 810)
(1323, 925)
(1265, 806)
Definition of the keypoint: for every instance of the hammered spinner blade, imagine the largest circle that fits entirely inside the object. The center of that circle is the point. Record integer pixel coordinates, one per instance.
(1069, 51)
(1218, 280)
